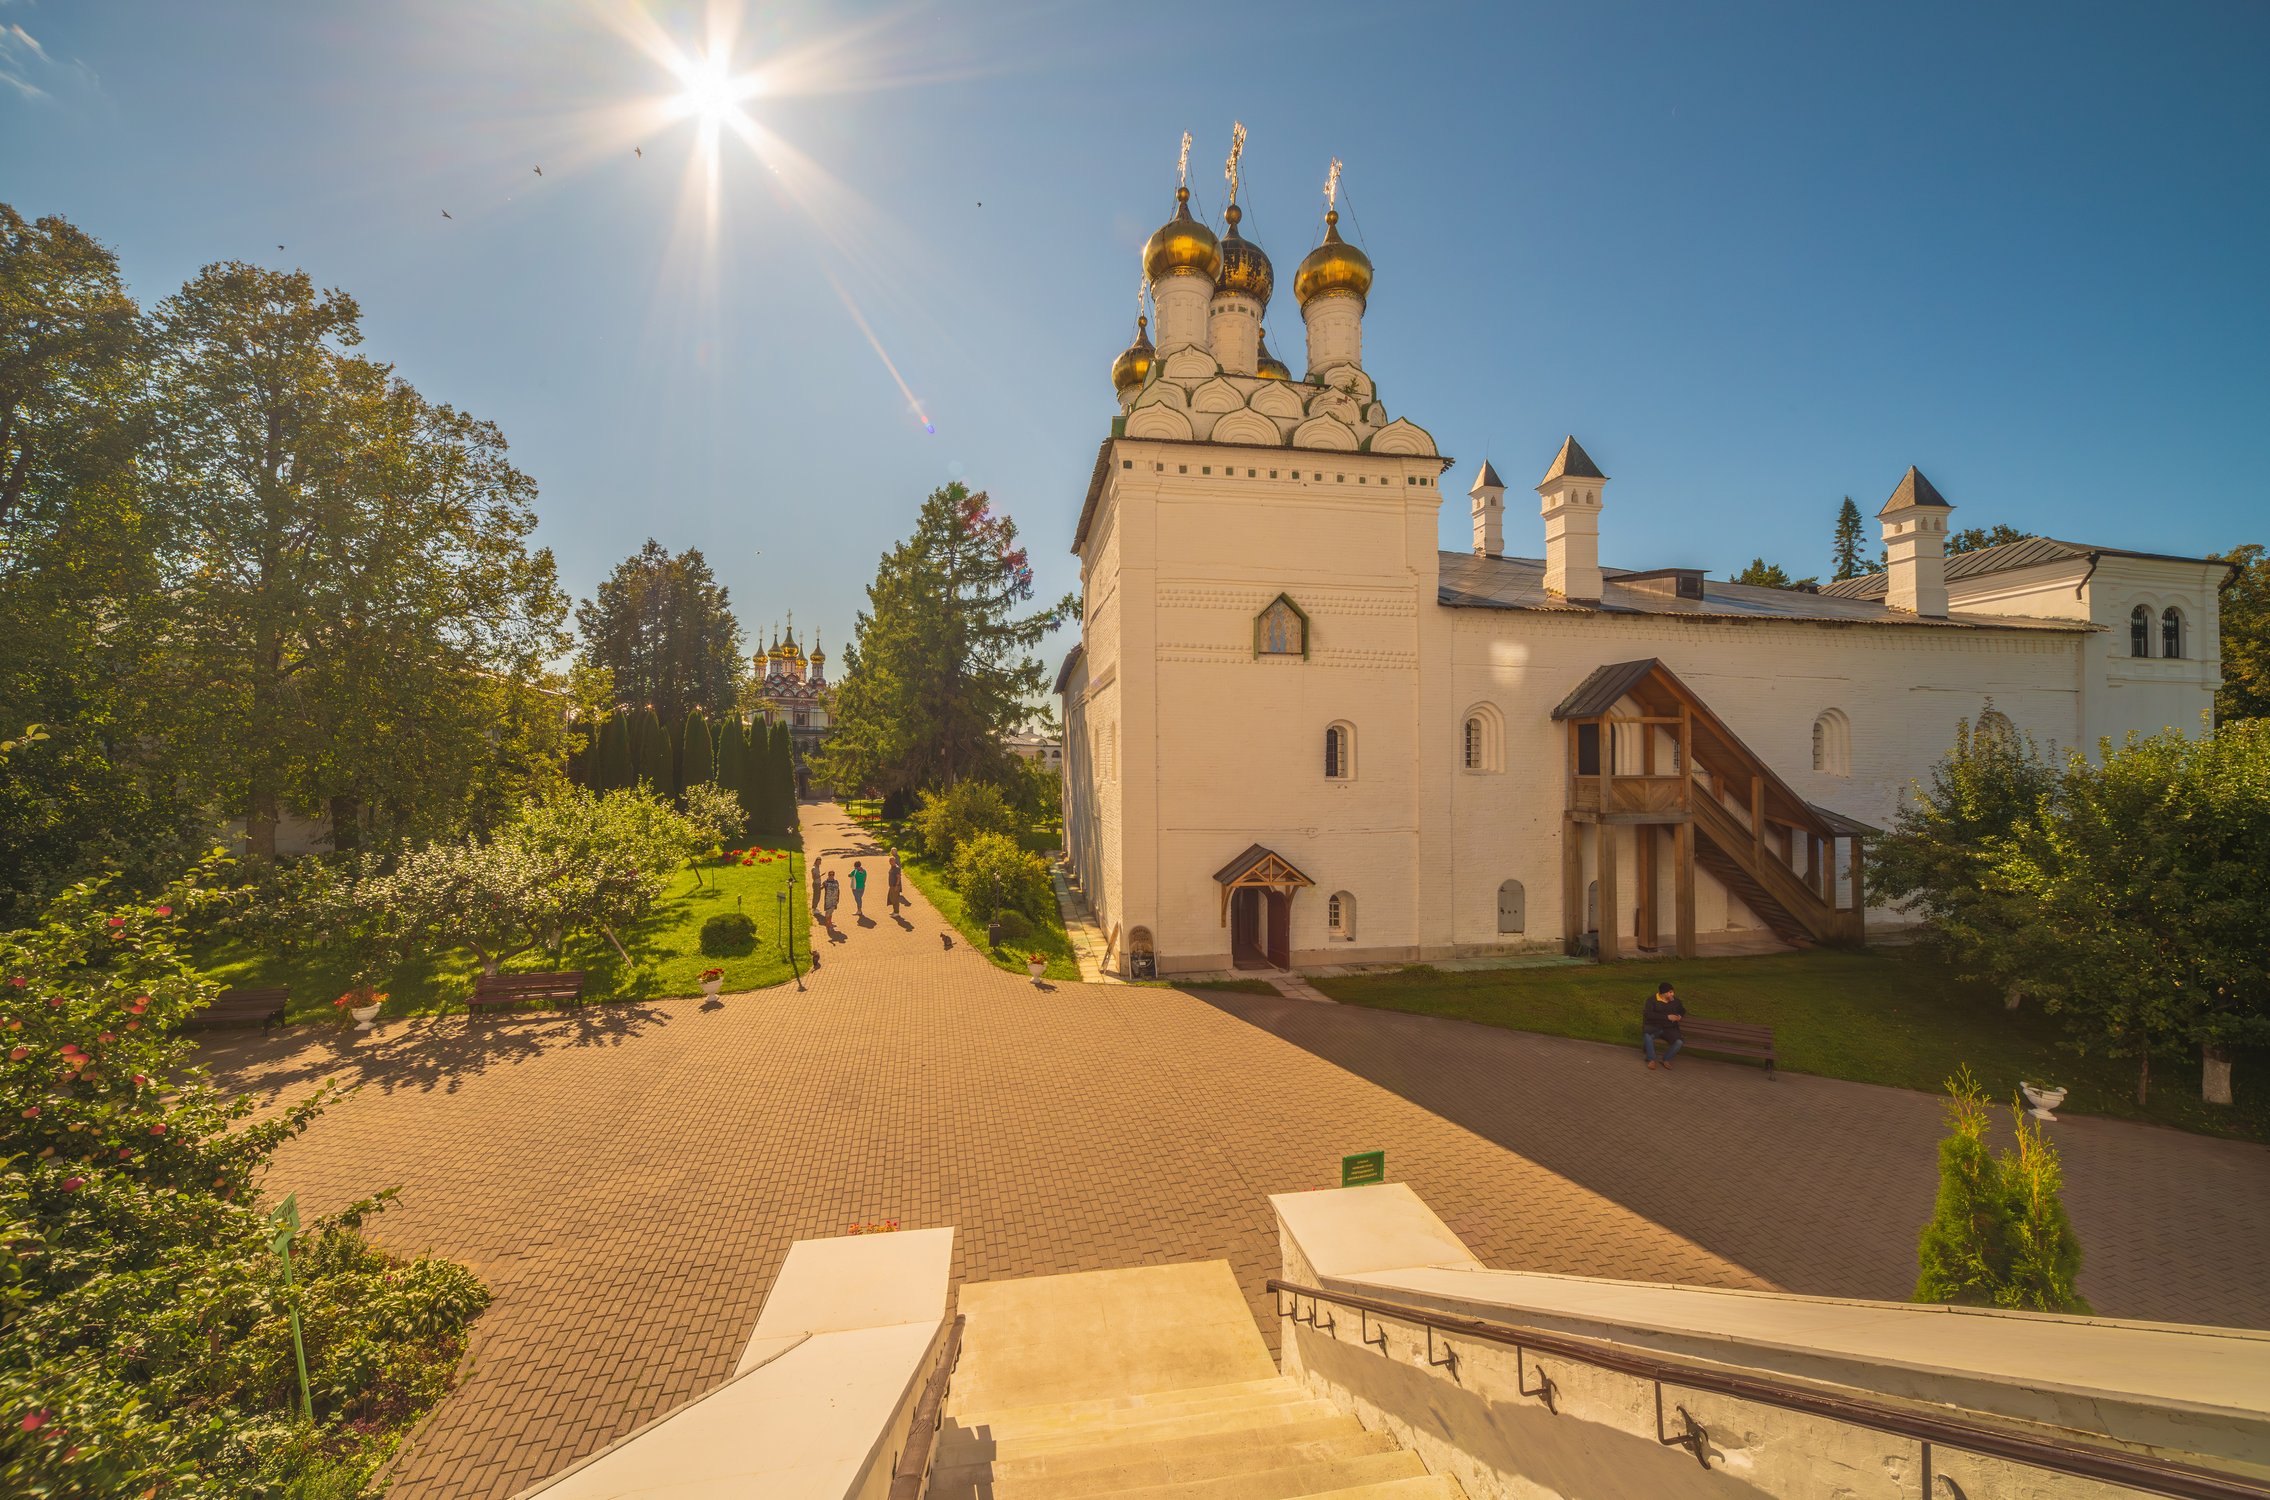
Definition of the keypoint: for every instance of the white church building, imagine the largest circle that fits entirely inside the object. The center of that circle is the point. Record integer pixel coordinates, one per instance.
(1298, 732)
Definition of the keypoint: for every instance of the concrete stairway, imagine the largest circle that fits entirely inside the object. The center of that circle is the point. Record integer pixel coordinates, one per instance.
(1146, 1384)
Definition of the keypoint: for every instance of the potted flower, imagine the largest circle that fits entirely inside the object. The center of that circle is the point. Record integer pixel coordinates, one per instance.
(712, 980)
(362, 1003)
(1036, 964)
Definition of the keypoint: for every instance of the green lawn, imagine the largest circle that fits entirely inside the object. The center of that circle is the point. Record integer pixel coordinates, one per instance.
(1047, 937)
(666, 948)
(1890, 1016)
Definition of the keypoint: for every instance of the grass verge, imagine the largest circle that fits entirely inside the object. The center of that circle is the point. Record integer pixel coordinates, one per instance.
(1889, 1016)
(1048, 936)
(665, 949)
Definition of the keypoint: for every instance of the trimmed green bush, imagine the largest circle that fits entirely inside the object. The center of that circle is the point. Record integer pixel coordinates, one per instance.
(994, 875)
(947, 820)
(1015, 926)
(729, 934)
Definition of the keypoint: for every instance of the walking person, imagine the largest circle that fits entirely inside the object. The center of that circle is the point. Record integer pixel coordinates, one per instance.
(859, 889)
(818, 884)
(830, 893)
(895, 896)
(1659, 1025)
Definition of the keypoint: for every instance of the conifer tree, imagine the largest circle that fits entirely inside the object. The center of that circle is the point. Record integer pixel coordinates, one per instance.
(615, 769)
(783, 779)
(696, 751)
(1999, 1235)
(730, 745)
(1846, 549)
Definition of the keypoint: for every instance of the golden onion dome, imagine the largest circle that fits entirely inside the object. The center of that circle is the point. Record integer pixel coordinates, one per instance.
(1245, 270)
(1269, 366)
(1334, 266)
(1134, 361)
(1182, 246)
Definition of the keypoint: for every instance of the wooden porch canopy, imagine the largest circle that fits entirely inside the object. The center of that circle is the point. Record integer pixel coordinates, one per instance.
(1262, 868)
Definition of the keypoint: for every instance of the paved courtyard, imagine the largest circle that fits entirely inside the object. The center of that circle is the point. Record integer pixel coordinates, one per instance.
(629, 1178)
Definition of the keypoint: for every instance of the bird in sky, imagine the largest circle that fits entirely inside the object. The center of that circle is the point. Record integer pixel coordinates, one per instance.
(445, 213)
(638, 151)
(279, 247)
(539, 171)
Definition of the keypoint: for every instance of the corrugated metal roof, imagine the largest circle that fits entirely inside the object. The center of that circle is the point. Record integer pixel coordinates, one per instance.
(1572, 462)
(2007, 557)
(1471, 582)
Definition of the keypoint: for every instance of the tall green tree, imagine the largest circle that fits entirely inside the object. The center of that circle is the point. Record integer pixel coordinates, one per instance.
(615, 766)
(656, 753)
(80, 600)
(1845, 549)
(1979, 538)
(942, 663)
(697, 763)
(1765, 575)
(781, 793)
(355, 616)
(664, 626)
(2142, 882)
(2245, 693)
(1938, 857)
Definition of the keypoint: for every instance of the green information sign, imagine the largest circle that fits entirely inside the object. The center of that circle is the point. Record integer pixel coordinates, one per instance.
(1363, 1169)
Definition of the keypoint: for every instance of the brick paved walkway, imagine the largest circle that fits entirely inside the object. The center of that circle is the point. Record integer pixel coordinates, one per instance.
(629, 1178)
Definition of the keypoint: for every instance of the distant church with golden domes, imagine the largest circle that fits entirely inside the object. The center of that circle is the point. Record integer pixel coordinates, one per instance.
(792, 688)
(1298, 731)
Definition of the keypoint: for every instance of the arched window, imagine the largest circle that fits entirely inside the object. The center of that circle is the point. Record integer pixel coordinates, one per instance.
(1513, 907)
(1832, 743)
(1340, 752)
(1340, 917)
(1481, 739)
(2171, 633)
(2140, 630)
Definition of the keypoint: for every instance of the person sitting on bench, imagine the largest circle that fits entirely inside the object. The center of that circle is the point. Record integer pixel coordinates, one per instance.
(1659, 1023)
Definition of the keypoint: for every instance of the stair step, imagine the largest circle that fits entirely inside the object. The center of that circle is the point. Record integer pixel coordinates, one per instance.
(1271, 1425)
(1106, 1410)
(1198, 1457)
(1427, 1487)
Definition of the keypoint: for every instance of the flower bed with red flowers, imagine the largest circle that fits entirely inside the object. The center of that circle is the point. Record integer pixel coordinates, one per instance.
(145, 1338)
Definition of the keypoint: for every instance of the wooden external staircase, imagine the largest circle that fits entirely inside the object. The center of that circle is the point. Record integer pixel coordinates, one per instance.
(1645, 752)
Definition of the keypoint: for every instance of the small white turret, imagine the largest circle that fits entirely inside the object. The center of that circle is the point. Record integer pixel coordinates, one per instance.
(1570, 491)
(1488, 495)
(1915, 546)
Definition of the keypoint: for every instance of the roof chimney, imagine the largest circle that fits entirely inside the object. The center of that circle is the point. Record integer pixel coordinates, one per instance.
(1488, 495)
(1571, 494)
(1915, 546)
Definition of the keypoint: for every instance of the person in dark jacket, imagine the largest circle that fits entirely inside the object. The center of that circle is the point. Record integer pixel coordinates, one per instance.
(1659, 1026)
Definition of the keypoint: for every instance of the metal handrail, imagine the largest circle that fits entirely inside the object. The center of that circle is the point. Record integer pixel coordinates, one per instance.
(2157, 1476)
(929, 1415)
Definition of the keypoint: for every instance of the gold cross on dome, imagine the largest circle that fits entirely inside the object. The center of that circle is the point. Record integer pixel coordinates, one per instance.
(1182, 163)
(1332, 185)
(1237, 149)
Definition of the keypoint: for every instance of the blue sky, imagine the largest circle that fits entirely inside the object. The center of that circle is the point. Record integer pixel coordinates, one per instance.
(1756, 257)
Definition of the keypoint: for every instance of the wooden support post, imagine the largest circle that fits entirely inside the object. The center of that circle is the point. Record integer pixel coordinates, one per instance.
(1605, 834)
(1859, 894)
(1649, 937)
(1683, 897)
(1572, 882)
(1758, 816)
(1607, 732)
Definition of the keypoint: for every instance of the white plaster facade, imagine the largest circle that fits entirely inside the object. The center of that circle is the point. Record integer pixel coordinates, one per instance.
(1185, 743)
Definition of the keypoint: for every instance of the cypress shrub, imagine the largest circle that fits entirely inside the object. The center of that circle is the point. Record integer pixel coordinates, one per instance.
(730, 744)
(696, 751)
(756, 777)
(1998, 1235)
(784, 779)
(615, 771)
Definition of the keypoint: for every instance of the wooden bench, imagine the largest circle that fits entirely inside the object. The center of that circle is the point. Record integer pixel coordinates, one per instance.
(242, 1008)
(500, 990)
(1736, 1038)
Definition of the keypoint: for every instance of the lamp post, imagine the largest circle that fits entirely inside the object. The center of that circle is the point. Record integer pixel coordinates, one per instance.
(788, 933)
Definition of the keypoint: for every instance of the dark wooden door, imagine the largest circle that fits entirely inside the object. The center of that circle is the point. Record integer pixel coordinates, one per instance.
(1246, 950)
(1281, 929)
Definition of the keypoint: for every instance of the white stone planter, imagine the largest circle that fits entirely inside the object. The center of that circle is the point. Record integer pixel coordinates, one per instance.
(1036, 970)
(710, 987)
(364, 1015)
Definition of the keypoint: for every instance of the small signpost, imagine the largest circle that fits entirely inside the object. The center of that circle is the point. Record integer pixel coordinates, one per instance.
(286, 1218)
(1363, 1169)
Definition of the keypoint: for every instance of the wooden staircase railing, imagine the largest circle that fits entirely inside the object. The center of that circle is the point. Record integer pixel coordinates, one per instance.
(1776, 894)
